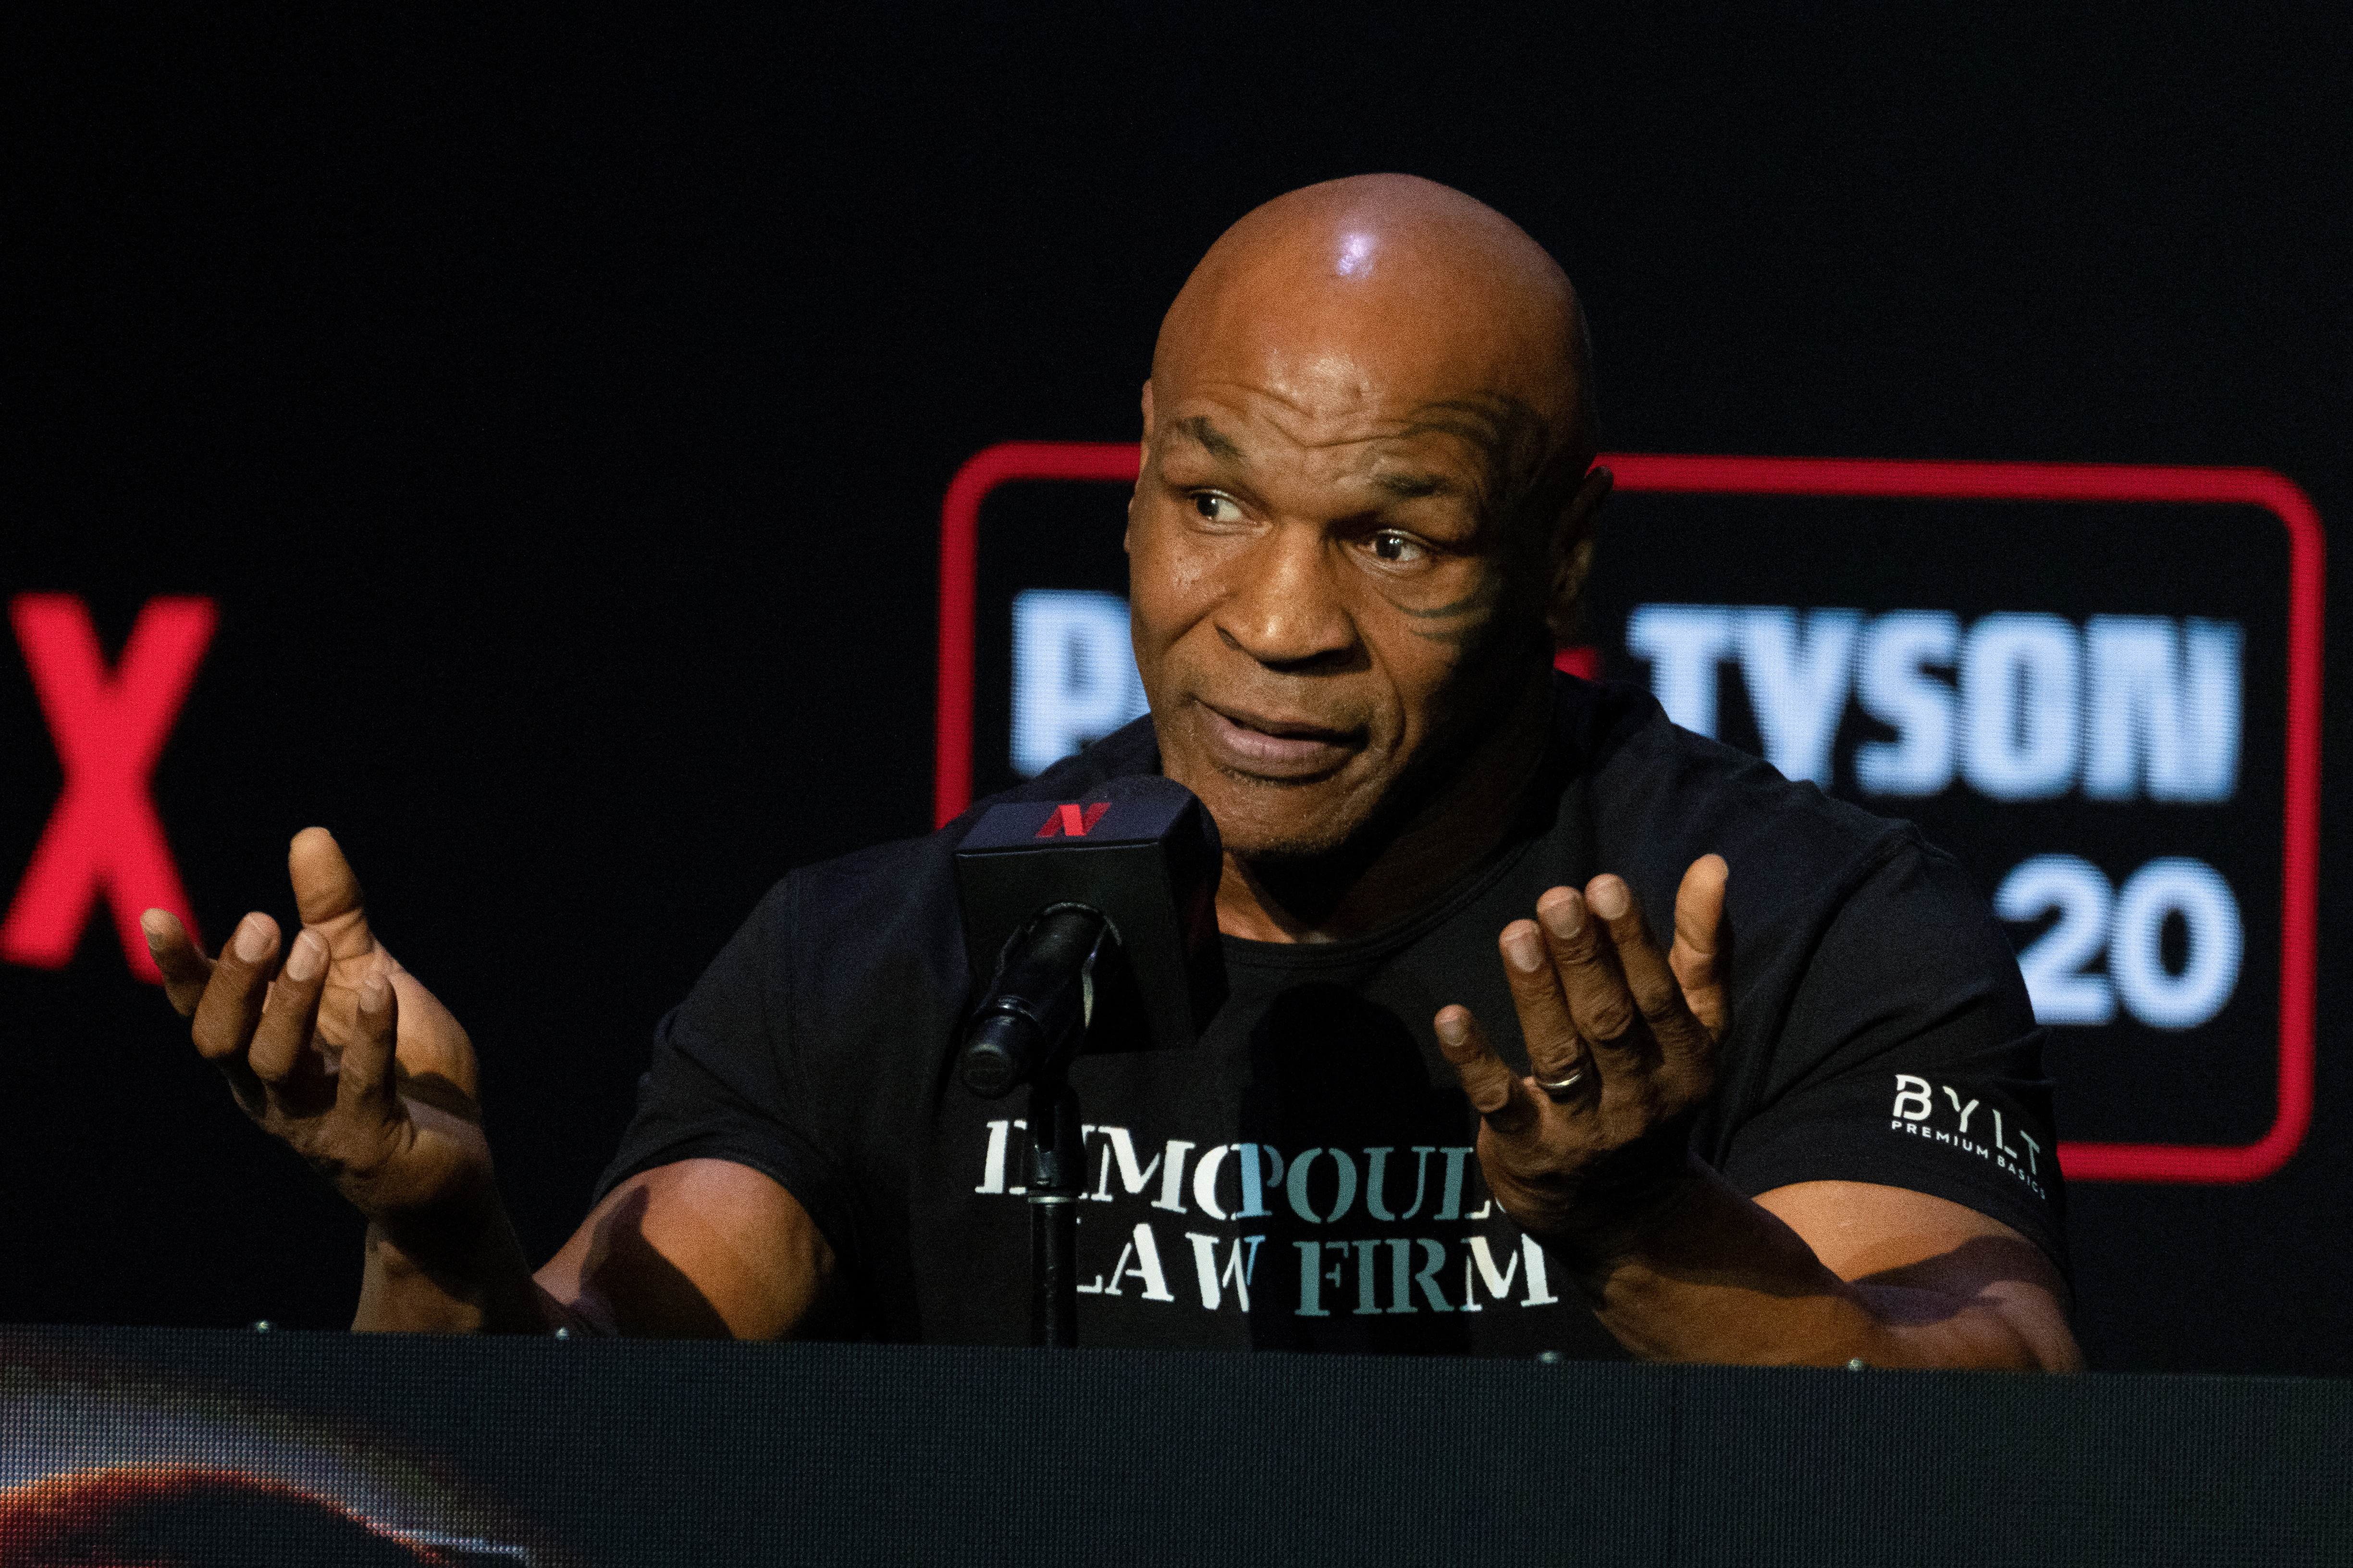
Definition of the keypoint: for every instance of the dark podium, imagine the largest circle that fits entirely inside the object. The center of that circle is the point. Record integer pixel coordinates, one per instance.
(551, 1451)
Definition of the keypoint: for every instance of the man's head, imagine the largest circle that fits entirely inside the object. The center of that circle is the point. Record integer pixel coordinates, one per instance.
(1364, 506)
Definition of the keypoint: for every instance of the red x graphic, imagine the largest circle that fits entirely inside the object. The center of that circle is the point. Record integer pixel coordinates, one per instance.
(110, 728)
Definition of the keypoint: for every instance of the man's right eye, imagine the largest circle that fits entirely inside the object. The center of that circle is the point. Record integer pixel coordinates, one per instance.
(1215, 508)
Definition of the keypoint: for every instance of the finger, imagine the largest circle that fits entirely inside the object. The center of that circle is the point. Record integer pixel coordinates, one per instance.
(364, 1082)
(281, 1055)
(1494, 1090)
(1644, 979)
(1555, 1049)
(232, 1000)
(328, 894)
(1699, 941)
(186, 969)
(1600, 1008)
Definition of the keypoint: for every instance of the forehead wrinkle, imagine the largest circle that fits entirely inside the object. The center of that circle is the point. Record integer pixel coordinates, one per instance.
(1307, 428)
(1265, 392)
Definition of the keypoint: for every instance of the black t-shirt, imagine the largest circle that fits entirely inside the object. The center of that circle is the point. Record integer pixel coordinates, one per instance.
(1303, 1179)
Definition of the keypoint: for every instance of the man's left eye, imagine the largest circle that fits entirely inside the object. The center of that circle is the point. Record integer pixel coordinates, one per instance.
(1396, 547)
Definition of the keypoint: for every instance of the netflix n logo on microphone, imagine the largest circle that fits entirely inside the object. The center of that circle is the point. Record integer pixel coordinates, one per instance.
(1072, 820)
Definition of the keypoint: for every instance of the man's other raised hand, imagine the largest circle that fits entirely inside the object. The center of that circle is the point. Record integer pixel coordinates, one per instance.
(1590, 1152)
(337, 1051)
(1633, 1035)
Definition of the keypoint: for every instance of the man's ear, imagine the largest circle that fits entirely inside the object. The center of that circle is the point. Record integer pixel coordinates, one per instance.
(1571, 554)
(1143, 456)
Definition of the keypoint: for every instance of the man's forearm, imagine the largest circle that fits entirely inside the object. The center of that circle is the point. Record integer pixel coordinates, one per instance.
(453, 1275)
(1703, 1274)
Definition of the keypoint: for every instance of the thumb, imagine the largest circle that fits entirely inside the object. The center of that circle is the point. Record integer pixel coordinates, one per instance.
(328, 894)
(1700, 960)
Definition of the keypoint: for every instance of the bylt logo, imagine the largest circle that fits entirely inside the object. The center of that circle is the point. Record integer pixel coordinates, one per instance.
(108, 727)
(1073, 821)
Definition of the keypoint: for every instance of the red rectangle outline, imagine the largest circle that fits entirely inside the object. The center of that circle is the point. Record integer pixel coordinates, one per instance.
(1894, 478)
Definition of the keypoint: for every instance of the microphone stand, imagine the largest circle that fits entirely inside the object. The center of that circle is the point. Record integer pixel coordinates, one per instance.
(1054, 1185)
(1037, 1015)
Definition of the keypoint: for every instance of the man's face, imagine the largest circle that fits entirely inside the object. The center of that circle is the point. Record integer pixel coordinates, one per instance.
(1317, 598)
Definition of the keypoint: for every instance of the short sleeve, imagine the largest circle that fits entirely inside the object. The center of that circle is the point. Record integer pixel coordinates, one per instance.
(719, 1084)
(1909, 1057)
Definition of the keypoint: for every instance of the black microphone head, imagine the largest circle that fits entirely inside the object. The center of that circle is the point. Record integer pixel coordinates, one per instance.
(1142, 852)
(999, 1054)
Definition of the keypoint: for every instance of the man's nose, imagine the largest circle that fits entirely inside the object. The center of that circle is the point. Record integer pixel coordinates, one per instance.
(1283, 609)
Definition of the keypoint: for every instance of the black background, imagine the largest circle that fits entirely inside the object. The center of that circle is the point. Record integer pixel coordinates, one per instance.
(559, 410)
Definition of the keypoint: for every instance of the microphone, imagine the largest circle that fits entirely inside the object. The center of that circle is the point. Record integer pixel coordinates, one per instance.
(1095, 921)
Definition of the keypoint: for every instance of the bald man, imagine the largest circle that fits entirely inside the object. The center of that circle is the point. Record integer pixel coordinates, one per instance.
(1467, 1094)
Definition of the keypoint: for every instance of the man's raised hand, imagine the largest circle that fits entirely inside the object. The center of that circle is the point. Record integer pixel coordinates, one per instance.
(336, 1050)
(1634, 1034)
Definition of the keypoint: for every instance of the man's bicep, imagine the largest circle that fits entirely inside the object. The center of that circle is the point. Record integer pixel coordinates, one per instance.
(698, 1249)
(1896, 1240)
